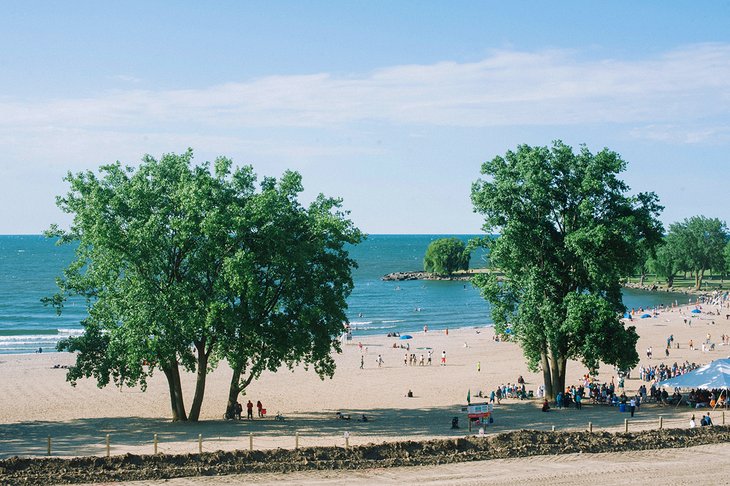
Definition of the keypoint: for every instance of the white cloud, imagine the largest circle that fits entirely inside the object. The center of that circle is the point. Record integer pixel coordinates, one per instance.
(507, 88)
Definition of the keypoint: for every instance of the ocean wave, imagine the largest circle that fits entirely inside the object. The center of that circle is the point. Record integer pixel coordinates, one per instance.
(70, 332)
(360, 323)
(394, 321)
(372, 328)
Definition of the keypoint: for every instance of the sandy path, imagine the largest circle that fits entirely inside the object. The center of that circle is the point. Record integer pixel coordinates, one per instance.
(697, 465)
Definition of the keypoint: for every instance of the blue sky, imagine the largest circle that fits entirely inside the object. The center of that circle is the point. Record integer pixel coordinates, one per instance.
(390, 105)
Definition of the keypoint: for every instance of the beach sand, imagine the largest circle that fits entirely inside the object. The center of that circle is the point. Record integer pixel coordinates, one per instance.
(37, 402)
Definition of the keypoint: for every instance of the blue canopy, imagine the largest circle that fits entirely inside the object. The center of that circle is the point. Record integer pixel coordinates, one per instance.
(644, 316)
(406, 336)
(627, 316)
(696, 311)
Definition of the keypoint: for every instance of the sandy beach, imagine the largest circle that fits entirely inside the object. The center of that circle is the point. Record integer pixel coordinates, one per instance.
(37, 402)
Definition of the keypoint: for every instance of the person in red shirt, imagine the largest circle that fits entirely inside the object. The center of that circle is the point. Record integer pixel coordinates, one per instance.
(249, 413)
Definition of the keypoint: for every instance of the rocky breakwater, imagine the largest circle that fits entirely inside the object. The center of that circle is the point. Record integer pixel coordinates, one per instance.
(421, 275)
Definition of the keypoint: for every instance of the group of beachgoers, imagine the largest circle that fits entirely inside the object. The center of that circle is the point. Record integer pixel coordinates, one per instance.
(410, 359)
(661, 372)
(237, 410)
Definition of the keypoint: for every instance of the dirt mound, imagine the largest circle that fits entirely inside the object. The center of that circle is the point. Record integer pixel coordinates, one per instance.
(520, 443)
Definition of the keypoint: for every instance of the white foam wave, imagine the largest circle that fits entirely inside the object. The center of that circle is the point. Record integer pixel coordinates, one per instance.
(394, 321)
(70, 332)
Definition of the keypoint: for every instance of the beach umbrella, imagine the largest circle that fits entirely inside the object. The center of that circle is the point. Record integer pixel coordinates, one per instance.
(406, 336)
(627, 316)
(696, 311)
(644, 316)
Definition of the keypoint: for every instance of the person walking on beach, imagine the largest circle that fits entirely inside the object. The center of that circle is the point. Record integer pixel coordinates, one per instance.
(443, 358)
(249, 410)
(479, 366)
(632, 406)
(430, 353)
(380, 360)
(362, 361)
(260, 408)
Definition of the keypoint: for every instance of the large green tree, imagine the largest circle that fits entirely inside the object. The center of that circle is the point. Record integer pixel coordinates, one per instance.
(701, 242)
(287, 284)
(667, 260)
(156, 247)
(444, 256)
(568, 233)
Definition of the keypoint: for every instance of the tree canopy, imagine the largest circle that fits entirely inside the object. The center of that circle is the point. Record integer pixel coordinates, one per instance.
(444, 256)
(182, 266)
(700, 241)
(568, 233)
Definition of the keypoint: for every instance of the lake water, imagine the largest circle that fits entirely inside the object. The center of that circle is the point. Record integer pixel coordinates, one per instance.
(30, 264)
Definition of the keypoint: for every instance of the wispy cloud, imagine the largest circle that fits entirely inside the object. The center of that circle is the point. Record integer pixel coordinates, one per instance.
(679, 88)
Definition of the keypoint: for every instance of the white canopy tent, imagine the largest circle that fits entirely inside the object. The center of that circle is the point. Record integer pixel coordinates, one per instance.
(715, 375)
(712, 376)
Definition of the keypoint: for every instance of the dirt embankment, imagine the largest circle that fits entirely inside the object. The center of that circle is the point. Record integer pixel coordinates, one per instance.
(508, 445)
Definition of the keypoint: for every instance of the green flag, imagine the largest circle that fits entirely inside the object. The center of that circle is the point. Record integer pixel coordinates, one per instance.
(468, 396)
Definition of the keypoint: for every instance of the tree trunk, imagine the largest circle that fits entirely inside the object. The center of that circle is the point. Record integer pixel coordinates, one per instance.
(172, 373)
(234, 390)
(202, 373)
(557, 371)
(670, 281)
(698, 278)
(547, 377)
(642, 278)
(237, 386)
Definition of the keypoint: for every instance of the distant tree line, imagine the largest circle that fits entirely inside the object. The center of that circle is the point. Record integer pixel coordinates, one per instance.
(694, 246)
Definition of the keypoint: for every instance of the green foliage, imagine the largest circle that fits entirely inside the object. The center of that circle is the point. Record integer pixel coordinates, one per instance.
(568, 234)
(168, 255)
(445, 256)
(668, 259)
(727, 257)
(700, 241)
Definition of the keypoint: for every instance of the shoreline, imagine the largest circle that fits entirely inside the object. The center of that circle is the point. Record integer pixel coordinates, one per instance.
(38, 401)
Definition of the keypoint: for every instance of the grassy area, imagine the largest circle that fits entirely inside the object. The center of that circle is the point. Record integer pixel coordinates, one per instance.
(681, 283)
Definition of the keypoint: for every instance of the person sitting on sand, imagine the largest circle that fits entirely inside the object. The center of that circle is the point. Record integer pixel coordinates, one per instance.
(409, 394)
(545, 406)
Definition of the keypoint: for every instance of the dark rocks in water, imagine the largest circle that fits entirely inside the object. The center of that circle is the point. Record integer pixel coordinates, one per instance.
(401, 276)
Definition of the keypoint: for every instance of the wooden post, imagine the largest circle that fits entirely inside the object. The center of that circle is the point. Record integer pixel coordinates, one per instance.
(590, 427)
(108, 451)
(296, 440)
(661, 422)
(723, 417)
(155, 442)
(49, 445)
(626, 425)
(469, 424)
(200, 443)
(250, 441)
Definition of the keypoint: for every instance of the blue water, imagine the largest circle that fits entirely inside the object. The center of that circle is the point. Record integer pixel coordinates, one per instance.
(30, 264)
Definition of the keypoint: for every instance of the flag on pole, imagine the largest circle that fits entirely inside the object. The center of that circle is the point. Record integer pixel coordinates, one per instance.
(468, 396)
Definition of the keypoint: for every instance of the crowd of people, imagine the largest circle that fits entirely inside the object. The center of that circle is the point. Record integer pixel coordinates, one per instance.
(661, 372)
